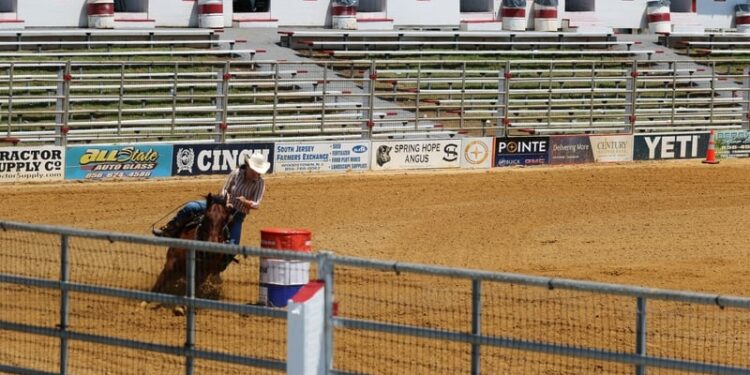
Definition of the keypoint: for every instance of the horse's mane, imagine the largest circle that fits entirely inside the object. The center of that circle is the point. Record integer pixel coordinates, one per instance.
(215, 199)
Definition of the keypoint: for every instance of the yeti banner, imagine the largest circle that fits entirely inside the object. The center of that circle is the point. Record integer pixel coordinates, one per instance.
(429, 154)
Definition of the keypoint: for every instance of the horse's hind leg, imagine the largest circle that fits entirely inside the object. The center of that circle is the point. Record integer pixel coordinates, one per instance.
(166, 273)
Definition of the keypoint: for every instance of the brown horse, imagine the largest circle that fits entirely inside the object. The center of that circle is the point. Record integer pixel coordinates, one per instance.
(212, 226)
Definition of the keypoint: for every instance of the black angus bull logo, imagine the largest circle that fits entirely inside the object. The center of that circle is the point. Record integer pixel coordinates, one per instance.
(384, 155)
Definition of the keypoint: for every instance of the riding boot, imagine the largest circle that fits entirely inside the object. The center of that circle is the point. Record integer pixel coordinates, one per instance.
(171, 229)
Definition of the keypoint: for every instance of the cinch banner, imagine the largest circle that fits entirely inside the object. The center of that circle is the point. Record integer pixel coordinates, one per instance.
(202, 159)
(521, 151)
(322, 157)
(24, 164)
(124, 161)
(670, 146)
(416, 154)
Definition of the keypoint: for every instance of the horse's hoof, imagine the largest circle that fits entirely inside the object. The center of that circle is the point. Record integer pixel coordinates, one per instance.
(143, 304)
(178, 311)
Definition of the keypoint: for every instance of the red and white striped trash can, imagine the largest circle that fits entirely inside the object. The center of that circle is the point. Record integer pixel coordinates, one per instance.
(211, 14)
(344, 15)
(513, 15)
(101, 14)
(659, 21)
(545, 15)
(742, 18)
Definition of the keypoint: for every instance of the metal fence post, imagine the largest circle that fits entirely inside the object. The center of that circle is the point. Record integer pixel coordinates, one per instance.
(503, 99)
(325, 273)
(640, 333)
(461, 121)
(174, 97)
(324, 98)
(11, 71)
(713, 92)
(476, 324)
(275, 97)
(746, 98)
(417, 99)
(121, 98)
(190, 312)
(64, 277)
(62, 106)
(631, 94)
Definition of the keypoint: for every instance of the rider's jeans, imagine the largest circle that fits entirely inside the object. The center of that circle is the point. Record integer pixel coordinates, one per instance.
(194, 208)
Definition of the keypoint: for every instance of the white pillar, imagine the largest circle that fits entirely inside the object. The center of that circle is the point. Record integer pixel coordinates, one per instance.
(305, 331)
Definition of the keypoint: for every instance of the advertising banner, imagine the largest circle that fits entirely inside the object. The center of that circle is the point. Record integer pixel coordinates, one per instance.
(670, 146)
(429, 154)
(322, 157)
(733, 144)
(612, 148)
(570, 150)
(476, 152)
(213, 158)
(521, 151)
(24, 164)
(123, 161)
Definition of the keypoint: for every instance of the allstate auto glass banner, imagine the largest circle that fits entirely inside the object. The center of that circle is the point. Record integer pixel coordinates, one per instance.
(123, 161)
(670, 146)
(429, 154)
(476, 152)
(322, 157)
(733, 143)
(24, 164)
(213, 158)
(521, 151)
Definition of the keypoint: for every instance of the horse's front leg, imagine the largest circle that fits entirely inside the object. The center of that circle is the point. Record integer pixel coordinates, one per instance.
(166, 272)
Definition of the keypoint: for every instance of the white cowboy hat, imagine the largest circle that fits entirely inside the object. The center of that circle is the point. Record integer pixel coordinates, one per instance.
(257, 162)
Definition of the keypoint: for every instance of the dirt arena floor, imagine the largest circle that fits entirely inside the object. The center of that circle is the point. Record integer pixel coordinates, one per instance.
(680, 224)
(677, 225)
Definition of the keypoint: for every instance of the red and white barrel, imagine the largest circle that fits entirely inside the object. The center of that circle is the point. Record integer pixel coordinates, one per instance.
(343, 16)
(280, 279)
(742, 18)
(211, 14)
(101, 14)
(659, 21)
(513, 15)
(545, 15)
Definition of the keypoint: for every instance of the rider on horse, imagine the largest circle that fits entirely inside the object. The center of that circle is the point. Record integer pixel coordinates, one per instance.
(243, 190)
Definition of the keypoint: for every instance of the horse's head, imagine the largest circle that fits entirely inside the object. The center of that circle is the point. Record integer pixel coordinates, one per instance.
(215, 224)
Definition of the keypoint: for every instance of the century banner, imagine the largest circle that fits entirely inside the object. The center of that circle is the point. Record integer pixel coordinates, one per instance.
(521, 151)
(124, 161)
(25, 164)
(212, 158)
(612, 148)
(670, 146)
(476, 152)
(430, 154)
(322, 157)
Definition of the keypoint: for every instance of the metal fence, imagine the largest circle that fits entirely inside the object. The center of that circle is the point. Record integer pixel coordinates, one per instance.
(70, 303)
(191, 101)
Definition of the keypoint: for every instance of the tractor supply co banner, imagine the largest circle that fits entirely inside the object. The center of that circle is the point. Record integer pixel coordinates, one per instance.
(670, 146)
(24, 164)
(733, 144)
(322, 157)
(124, 161)
(429, 154)
(477, 152)
(203, 159)
(521, 151)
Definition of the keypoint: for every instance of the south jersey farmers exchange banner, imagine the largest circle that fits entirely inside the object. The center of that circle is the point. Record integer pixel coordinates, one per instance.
(416, 154)
(23, 164)
(126, 161)
(322, 157)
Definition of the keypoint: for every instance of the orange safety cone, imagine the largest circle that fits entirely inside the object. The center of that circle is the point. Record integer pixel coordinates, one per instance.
(711, 153)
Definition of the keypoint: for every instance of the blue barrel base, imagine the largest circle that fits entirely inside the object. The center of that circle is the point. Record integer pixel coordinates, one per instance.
(279, 295)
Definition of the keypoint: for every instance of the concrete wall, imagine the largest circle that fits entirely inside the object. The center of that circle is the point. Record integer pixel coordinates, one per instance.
(629, 14)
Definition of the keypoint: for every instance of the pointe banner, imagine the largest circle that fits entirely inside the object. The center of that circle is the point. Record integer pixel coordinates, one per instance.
(524, 151)
(322, 157)
(213, 158)
(430, 154)
(125, 161)
(26, 164)
(477, 152)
